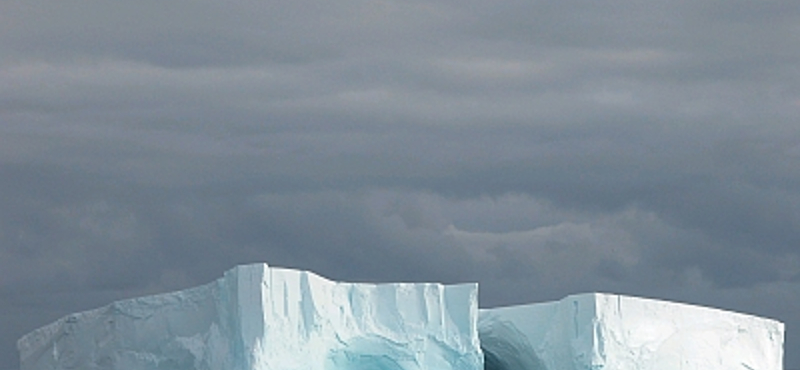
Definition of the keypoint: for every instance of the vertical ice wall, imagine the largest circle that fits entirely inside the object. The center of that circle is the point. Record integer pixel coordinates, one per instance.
(304, 321)
(258, 318)
(605, 331)
(667, 335)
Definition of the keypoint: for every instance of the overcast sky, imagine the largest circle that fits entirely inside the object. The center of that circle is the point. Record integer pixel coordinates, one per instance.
(541, 148)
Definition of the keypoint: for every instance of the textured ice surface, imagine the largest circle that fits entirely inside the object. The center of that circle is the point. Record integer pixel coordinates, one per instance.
(612, 332)
(259, 318)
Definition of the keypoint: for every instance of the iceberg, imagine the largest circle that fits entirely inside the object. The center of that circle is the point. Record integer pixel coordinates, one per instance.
(257, 317)
(613, 332)
(261, 318)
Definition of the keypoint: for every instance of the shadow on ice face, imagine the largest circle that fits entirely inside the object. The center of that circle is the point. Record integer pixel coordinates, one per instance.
(505, 348)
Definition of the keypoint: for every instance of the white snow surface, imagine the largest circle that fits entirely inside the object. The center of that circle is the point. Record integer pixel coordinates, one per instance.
(612, 332)
(261, 318)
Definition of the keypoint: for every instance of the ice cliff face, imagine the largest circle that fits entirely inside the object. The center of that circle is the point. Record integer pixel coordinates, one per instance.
(605, 331)
(261, 318)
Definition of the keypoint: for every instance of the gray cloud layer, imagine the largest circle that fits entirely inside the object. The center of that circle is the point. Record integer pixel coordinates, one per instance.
(540, 148)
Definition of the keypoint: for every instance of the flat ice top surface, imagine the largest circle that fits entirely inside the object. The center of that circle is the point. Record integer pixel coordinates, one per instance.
(607, 331)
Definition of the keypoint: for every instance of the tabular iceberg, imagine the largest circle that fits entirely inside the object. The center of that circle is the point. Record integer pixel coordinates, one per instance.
(613, 332)
(261, 318)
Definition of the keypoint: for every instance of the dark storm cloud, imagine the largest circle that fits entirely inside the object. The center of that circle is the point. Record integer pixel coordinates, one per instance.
(541, 148)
